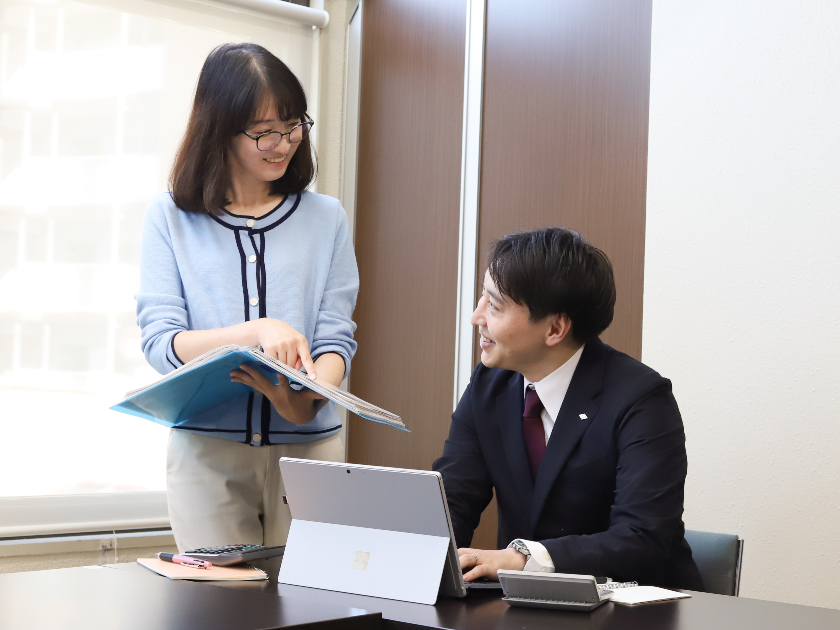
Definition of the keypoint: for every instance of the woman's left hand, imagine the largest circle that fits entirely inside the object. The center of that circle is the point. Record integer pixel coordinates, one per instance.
(296, 407)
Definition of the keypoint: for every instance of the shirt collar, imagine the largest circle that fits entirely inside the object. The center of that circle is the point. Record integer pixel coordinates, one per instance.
(552, 389)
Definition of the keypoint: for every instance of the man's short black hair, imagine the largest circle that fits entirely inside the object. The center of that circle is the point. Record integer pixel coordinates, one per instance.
(553, 271)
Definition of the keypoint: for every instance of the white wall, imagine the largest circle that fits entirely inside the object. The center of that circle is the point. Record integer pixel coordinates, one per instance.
(742, 278)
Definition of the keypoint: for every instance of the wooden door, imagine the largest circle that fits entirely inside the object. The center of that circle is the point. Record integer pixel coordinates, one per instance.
(564, 142)
(407, 213)
(565, 128)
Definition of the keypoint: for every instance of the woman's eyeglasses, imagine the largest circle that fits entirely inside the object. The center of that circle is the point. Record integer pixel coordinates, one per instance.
(268, 140)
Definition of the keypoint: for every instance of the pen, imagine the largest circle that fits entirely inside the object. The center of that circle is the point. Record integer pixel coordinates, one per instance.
(184, 560)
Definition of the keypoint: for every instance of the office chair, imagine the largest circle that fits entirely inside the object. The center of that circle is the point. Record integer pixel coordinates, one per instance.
(718, 557)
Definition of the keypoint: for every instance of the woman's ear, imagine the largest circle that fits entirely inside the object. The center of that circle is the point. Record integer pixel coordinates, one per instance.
(559, 328)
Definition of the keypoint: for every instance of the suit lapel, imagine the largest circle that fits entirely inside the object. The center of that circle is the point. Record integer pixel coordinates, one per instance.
(510, 404)
(569, 428)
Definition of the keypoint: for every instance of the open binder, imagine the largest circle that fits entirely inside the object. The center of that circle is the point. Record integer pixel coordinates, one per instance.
(204, 383)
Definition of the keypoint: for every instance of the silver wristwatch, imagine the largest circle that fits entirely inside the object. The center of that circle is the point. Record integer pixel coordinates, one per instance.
(521, 547)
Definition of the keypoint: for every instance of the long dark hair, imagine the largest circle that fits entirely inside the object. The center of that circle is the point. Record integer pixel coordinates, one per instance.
(234, 81)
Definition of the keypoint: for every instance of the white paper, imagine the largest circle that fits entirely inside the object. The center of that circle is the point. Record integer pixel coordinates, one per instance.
(644, 595)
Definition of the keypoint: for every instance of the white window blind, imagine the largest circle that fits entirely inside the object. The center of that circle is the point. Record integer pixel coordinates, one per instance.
(93, 103)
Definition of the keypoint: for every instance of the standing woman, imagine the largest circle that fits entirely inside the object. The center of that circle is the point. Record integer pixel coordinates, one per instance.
(240, 253)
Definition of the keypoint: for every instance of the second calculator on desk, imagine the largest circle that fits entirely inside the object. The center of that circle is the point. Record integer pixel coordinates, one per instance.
(225, 555)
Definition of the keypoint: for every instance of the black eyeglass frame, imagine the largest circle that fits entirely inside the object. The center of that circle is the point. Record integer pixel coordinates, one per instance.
(288, 133)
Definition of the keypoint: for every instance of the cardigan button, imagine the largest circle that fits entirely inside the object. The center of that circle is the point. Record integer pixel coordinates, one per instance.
(257, 437)
(255, 301)
(249, 223)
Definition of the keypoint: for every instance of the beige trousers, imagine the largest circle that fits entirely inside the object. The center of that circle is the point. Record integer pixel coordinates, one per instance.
(222, 492)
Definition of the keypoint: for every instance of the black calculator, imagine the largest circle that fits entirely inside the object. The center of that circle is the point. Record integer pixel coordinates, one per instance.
(225, 555)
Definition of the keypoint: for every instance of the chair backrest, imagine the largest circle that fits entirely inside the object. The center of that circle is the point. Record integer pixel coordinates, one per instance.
(718, 557)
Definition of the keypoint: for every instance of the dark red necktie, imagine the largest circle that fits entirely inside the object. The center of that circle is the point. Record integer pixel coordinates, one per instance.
(533, 431)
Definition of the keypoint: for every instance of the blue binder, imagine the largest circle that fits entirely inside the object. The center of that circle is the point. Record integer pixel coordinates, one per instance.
(193, 389)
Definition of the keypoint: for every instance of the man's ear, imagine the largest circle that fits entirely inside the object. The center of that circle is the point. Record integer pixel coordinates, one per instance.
(559, 328)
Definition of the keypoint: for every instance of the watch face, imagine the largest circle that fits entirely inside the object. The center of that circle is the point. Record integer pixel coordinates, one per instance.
(521, 547)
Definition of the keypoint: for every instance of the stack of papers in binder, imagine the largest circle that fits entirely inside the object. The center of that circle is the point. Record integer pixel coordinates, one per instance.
(204, 383)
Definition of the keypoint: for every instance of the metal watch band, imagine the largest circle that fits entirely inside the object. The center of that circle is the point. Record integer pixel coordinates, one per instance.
(521, 547)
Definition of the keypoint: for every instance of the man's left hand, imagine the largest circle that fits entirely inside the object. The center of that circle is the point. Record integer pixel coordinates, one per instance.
(485, 564)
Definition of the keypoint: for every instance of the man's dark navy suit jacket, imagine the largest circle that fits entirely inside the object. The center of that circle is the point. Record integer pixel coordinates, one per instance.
(608, 497)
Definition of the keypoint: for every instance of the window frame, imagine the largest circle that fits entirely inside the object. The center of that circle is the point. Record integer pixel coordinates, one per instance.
(78, 513)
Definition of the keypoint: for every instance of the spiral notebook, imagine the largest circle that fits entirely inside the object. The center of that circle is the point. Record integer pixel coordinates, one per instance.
(204, 383)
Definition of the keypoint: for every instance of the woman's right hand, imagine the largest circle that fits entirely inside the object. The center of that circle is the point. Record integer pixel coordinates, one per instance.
(284, 343)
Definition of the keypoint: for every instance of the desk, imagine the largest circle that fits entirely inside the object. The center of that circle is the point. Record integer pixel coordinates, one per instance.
(484, 610)
(129, 597)
(98, 598)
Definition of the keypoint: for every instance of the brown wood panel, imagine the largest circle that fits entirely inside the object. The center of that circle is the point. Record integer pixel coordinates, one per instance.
(565, 128)
(566, 99)
(407, 214)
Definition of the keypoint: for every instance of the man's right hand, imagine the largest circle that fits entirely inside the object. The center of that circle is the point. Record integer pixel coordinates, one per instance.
(483, 563)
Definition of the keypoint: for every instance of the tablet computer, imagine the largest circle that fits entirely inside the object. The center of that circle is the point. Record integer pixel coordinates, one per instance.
(364, 529)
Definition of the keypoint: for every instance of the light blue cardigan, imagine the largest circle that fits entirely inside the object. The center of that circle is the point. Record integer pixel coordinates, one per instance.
(199, 272)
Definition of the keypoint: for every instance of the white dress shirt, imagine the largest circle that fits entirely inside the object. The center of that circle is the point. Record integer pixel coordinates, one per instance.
(552, 392)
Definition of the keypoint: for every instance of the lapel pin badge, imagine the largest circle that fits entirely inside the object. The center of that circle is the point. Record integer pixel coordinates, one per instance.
(583, 416)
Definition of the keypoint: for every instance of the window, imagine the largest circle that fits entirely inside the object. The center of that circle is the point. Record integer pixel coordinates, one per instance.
(93, 102)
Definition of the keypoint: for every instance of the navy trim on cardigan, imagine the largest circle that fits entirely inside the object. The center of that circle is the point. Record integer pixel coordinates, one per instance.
(206, 430)
(319, 431)
(248, 216)
(175, 354)
(243, 263)
(262, 289)
(265, 421)
(282, 219)
(258, 230)
(248, 428)
(259, 251)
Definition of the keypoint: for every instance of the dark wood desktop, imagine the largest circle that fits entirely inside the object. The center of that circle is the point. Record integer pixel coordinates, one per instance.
(484, 610)
(100, 598)
(129, 597)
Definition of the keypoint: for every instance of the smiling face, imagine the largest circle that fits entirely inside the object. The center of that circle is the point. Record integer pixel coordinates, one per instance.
(509, 339)
(248, 164)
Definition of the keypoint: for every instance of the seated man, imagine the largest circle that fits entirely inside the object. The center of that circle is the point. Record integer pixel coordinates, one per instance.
(583, 445)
